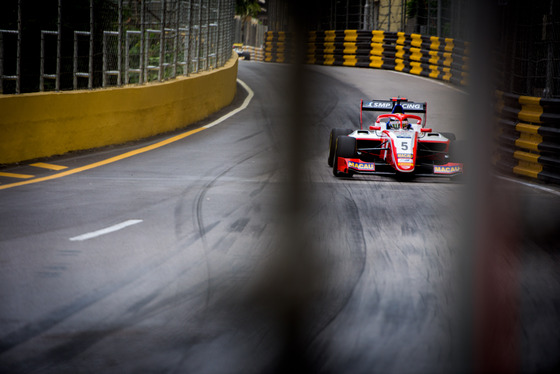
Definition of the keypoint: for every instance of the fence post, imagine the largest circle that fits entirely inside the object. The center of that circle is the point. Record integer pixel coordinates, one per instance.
(142, 77)
(90, 58)
(119, 46)
(18, 52)
(162, 41)
(176, 39)
(58, 46)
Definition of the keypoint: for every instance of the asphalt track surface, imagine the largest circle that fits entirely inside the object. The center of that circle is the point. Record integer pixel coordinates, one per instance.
(235, 250)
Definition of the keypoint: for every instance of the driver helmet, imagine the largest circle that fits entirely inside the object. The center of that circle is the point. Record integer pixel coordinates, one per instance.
(394, 123)
(406, 125)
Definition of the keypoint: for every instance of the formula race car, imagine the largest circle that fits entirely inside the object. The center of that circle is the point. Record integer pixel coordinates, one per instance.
(238, 48)
(396, 144)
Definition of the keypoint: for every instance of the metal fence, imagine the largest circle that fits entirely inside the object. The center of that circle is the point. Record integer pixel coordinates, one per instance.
(249, 32)
(65, 45)
(528, 48)
(442, 18)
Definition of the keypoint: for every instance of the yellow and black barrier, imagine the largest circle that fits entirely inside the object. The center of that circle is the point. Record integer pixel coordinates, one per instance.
(528, 136)
(439, 58)
(278, 47)
(352, 48)
(44, 124)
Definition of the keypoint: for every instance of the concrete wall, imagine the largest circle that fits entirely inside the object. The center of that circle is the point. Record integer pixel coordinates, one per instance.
(52, 123)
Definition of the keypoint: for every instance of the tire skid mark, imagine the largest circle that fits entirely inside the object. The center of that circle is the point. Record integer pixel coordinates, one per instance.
(199, 220)
(59, 315)
(351, 209)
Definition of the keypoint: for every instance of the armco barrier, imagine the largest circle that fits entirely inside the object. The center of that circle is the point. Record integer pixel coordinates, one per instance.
(440, 58)
(528, 136)
(45, 124)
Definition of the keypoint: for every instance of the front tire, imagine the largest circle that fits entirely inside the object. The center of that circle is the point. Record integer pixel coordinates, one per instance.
(335, 133)
(345, 147)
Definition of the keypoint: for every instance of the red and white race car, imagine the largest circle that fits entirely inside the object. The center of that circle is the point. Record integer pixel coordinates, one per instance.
(396, 144)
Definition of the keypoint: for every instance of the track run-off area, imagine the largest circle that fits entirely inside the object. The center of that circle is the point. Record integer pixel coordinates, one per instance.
(235, 249)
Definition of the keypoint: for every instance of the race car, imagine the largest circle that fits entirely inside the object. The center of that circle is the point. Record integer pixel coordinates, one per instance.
(398, 143)
(238, 48)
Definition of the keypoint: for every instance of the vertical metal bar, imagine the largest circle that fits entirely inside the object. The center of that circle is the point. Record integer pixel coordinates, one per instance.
(126, 57)
(75, 62)
(58, 46)
(90, 59)
(439, 18)
(360, 24)
(42, 64)
(347, 11)
(549, 89)
(389, 17)
(219, 50)
(375, 16)
(199, 35)
(104, 72)
(161, 40)
(119, 46)
(367, 14)
(18, 52)
(188, 39)
(1, 63)
(176, 39)
(207, 41)
(190, 36)
(142, 77)
(146, 58)
(428, 26)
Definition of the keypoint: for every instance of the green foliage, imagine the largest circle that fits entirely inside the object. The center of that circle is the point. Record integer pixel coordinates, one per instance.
(411, 8)
(247, 8)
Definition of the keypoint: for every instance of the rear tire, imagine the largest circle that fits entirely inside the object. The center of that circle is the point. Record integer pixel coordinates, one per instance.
(345, 147)
(335, 133)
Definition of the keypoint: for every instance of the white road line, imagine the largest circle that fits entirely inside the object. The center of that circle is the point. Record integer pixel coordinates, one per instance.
(234, 112)
(107, 230)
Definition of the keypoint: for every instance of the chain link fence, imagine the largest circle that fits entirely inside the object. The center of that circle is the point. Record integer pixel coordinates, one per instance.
(528, 48)
(442, 18)
(525, 37)
(249, 31)
(65, 45)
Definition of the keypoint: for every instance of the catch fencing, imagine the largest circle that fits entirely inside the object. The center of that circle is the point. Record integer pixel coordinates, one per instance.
(78, 45)
(249, 32)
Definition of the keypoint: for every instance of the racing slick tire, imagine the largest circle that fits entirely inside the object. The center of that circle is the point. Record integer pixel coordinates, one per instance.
(345, 146)
(458, 153)
(335, 133)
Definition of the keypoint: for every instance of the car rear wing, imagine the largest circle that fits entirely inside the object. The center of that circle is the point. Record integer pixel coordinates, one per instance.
(389, 105)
